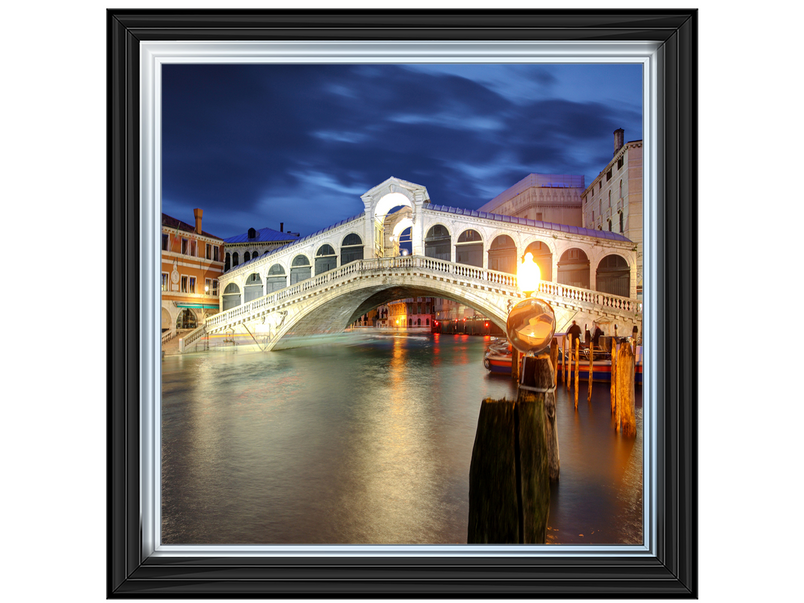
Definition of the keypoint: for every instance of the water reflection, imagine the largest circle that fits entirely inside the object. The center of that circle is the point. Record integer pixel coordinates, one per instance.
(366, 444)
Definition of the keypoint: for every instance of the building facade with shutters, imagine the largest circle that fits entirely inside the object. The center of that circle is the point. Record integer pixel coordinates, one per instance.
(613, 202)
(192, 262)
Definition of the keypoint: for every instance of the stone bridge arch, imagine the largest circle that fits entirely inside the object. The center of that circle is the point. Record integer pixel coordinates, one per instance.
(334, 310)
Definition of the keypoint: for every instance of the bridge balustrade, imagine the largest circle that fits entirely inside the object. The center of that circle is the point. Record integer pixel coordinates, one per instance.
(367, 266)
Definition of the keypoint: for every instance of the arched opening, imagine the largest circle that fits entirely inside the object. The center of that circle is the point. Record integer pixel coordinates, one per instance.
(299, 269)
(469, 249)
(253, 287)
(276, 279)
(165, 320)
(614, 276)
(502, 255)
(351, 249)
(246, 256)
(543, 258)
(227, 264)
(325, 259)
(235, 259)
(231, 296)
(186, 319)
(573, 268)
(437, 243)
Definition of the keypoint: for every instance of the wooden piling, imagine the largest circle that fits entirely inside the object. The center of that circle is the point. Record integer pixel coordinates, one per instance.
(613, 375)
(564, 359)
(626, 415)
(554, 360)
(515, 365)
(591, 370)
(509, 476)
(577, 367)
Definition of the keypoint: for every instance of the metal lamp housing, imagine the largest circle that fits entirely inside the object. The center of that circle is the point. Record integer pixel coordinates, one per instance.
(531, 325)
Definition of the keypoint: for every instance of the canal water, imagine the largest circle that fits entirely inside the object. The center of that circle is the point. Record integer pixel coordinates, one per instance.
(367, 440)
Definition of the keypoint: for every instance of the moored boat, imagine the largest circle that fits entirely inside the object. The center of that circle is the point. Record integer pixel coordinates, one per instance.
(498, 359)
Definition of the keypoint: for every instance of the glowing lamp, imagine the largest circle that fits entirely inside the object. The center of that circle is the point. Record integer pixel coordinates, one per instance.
(528, 275)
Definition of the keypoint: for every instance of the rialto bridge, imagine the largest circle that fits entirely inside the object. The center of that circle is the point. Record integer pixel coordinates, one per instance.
(325, 281)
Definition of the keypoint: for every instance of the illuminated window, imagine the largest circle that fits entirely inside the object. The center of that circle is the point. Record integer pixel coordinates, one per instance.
(191, 288)
(164, 281)
(184, 284)
(215, 287)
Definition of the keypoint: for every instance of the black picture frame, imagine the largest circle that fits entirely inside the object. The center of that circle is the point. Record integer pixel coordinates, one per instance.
(672, 573)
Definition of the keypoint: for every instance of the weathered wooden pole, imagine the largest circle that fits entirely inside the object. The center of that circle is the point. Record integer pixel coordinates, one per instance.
(577, 367)
(554, 360)
(509, 476)
(591, 370)
(515, 364)
(613, 374)
(564, 359)
(626, 415)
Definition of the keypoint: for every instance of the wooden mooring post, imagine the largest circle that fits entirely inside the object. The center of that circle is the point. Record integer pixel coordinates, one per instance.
(591, 370)
(626, 415)
(613, 375)
(509, 476)
(554, 359)
(577, 367)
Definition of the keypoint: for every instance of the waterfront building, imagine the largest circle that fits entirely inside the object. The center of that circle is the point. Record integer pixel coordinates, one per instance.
(411, 313)
(253, 243)
(613, 202)
(192, 262)
(543, 197)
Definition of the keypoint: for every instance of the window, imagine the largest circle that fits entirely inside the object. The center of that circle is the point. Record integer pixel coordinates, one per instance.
(215, 287)
(235, 259)
(246, 256)
(184, 284)
(216, 253)
(620, 162)
(621, 221)
(191, 288)
(208, 286)
(192, 248)
(539, 216)
(593, 215)
(184, 244)
(164, 281)
(621, 189)
(208, 255)
(609, 199)
(165, 242)
(609, 225)
(608, 175)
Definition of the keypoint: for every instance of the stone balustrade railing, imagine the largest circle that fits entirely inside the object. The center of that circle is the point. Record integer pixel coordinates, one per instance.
(369, 266)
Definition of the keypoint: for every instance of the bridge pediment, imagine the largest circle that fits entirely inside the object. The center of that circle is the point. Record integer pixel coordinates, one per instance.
(414, 194)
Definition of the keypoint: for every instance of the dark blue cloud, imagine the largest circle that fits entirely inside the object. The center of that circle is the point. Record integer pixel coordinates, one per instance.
(256, 145)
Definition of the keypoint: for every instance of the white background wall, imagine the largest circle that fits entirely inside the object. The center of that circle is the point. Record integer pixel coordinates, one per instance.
(53, 177)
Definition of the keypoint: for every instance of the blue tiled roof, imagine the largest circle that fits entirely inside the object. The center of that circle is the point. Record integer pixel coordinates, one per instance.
(589, 232)
(285, 247)
(264, 235)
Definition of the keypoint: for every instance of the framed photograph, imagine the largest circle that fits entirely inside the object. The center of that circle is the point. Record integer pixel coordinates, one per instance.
(314, 430)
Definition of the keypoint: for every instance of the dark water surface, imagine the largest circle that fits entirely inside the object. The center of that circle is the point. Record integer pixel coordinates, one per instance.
(367, 441)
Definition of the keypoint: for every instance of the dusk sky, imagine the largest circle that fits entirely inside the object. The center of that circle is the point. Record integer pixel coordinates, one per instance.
(256, 145)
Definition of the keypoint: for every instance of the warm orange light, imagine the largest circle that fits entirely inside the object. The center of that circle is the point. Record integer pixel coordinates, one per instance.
(528, 275)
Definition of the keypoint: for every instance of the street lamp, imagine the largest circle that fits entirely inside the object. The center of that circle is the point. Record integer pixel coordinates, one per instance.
(531, 323)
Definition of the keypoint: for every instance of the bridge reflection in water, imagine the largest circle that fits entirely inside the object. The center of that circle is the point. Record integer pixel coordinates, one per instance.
(366, 441)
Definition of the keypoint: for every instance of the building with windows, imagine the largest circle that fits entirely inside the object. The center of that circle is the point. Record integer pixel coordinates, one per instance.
(254, 243)
(613, 202)
(411, 313)
(552, 198)
(192, 262)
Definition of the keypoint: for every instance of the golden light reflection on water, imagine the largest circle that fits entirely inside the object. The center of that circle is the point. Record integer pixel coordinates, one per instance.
(365, 444)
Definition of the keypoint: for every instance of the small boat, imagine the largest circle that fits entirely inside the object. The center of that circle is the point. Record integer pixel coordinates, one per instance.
(498, 359)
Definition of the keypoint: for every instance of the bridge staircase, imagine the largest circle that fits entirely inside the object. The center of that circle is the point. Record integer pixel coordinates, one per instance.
(491, 292)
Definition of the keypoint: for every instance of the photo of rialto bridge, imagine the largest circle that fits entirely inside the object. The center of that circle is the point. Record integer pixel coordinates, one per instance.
(321, 283)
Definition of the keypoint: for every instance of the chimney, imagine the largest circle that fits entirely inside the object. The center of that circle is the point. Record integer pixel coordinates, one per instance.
(198, 215)
(618, 139)
(281, 227)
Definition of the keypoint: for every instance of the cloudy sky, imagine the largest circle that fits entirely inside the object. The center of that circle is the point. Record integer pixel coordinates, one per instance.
(256, 145)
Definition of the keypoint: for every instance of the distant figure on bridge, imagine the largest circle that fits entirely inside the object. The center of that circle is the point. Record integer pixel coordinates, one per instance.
(574, 333)
(587, 335)
(597, 335)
